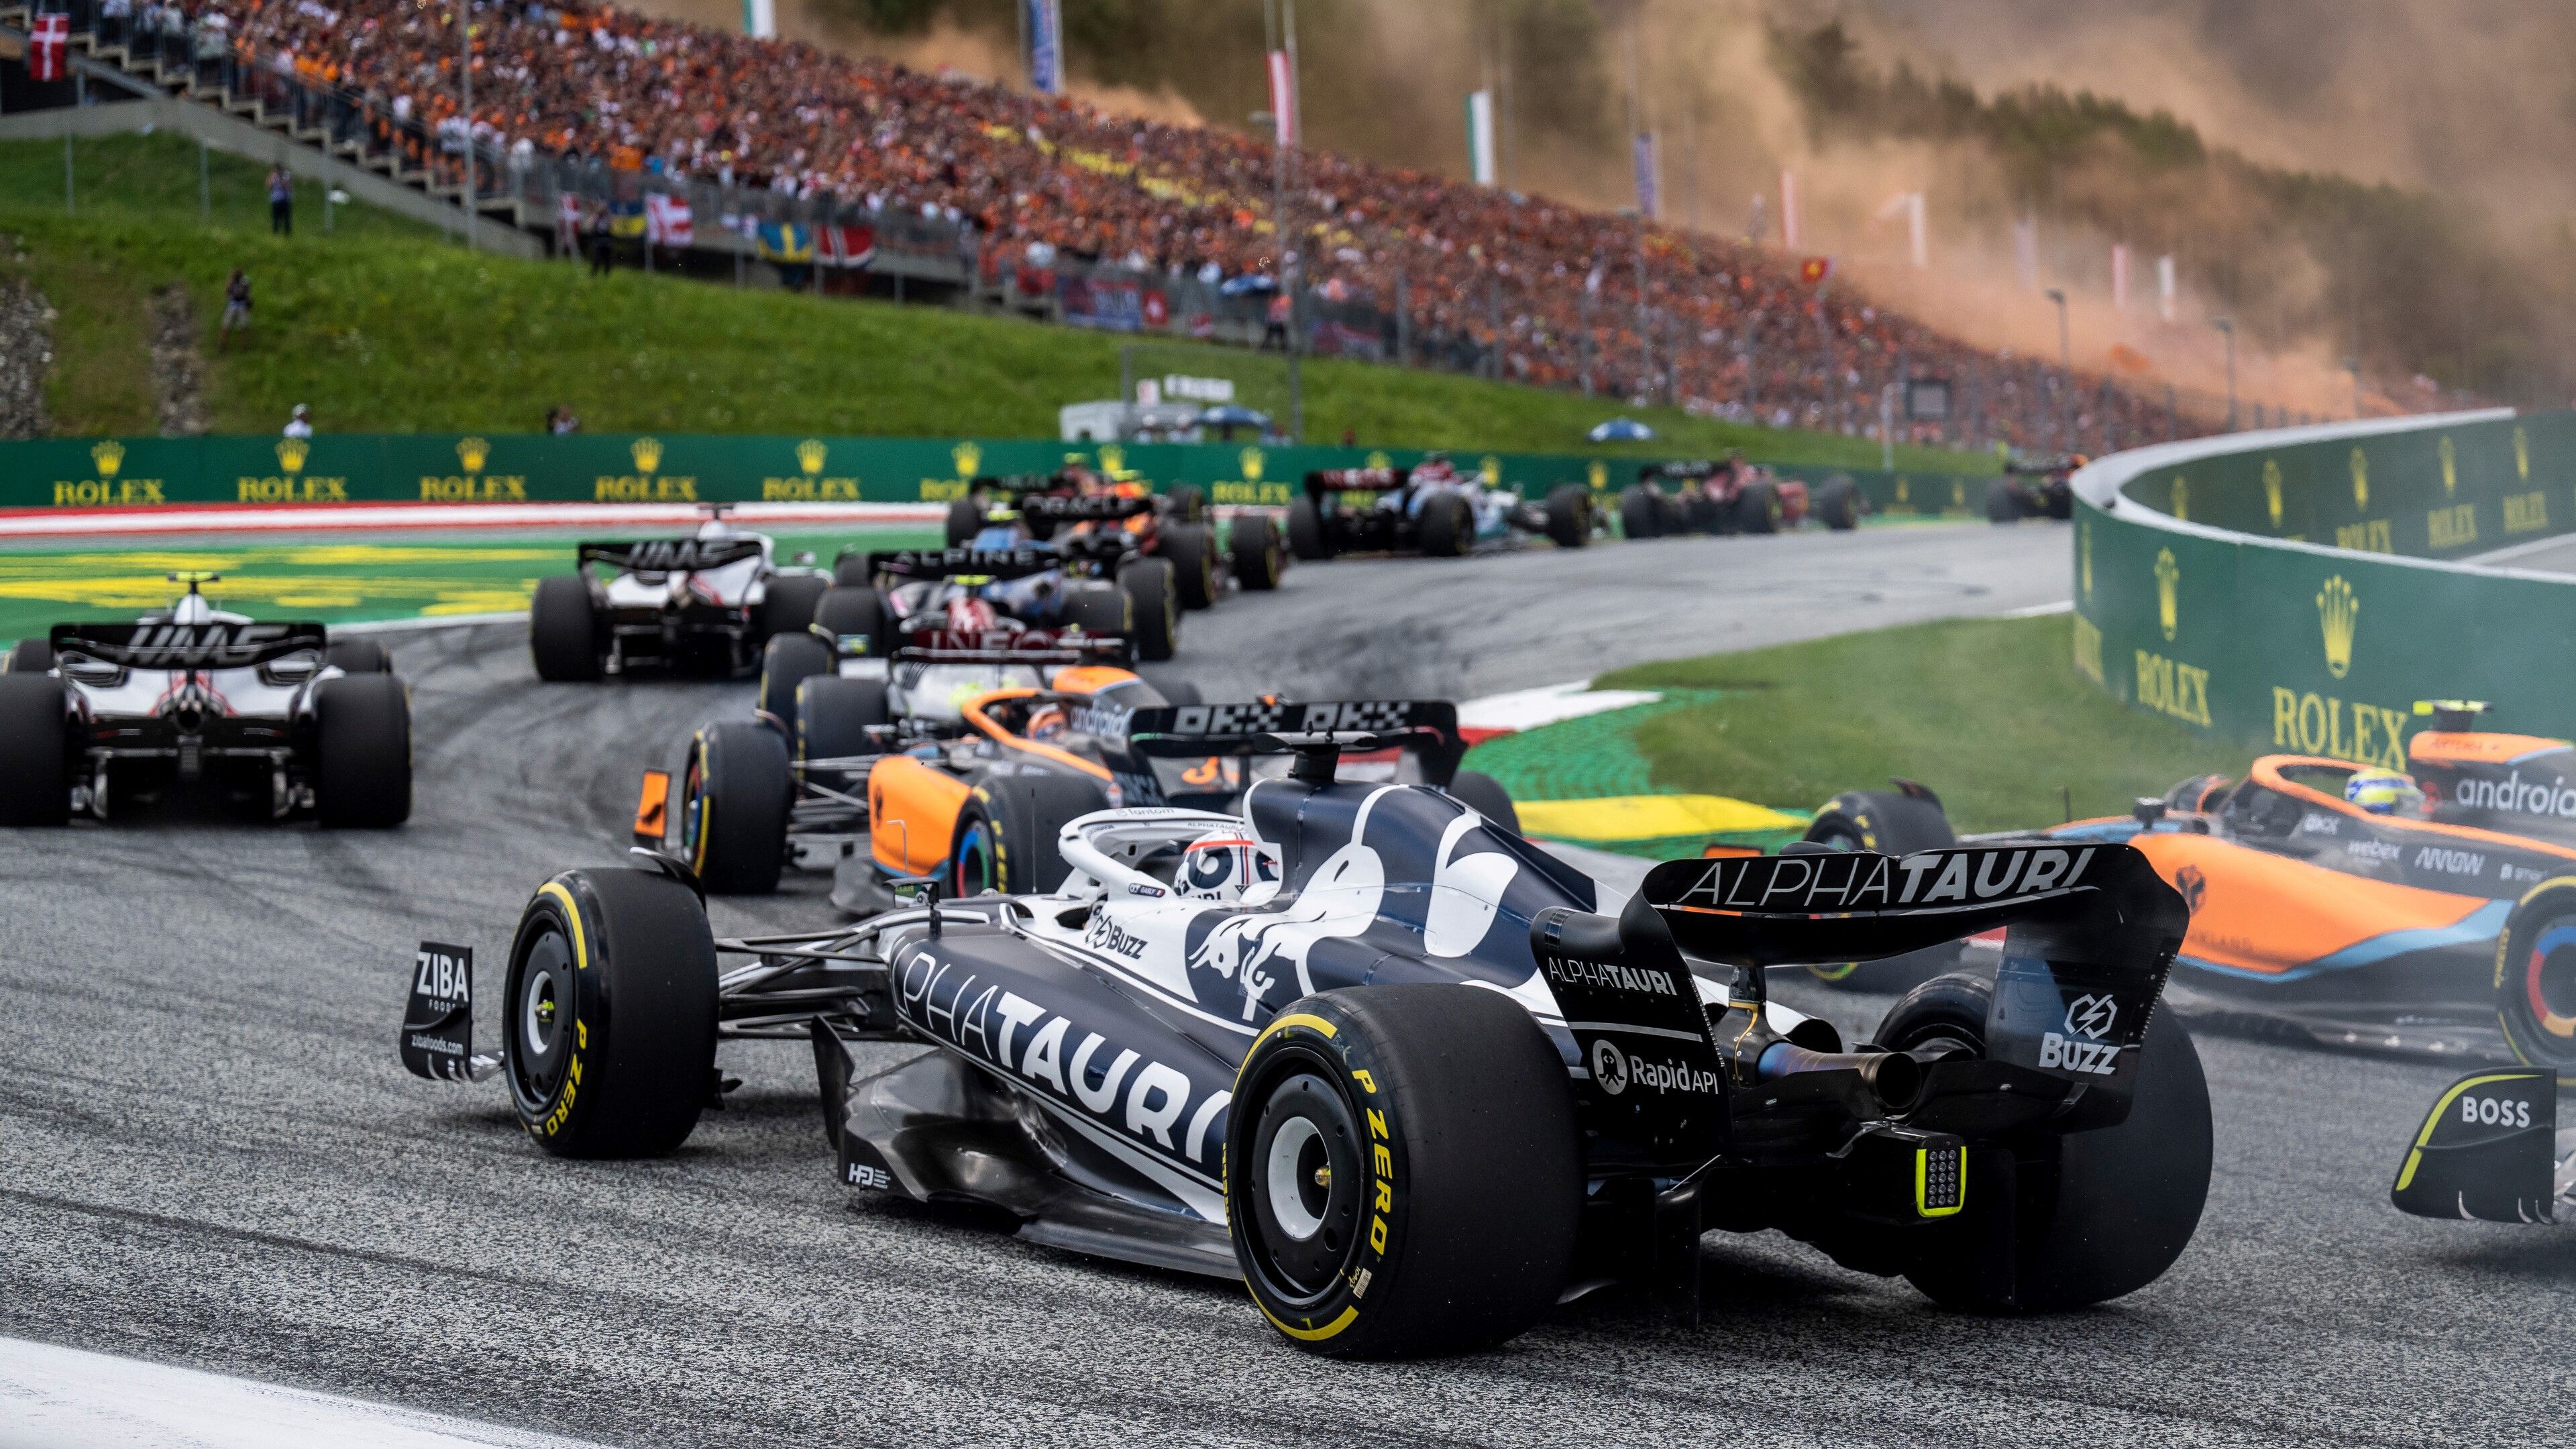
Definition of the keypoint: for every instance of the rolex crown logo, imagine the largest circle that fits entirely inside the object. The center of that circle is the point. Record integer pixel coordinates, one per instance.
(1491, 469)
(2360, 480)
(1113, 459)
(2450, 468)
(1598, 474)
(810, 455)
(647, 453)
(109, 455)
(1380, 458)
(1251, 459)
(2338, 611)
(2522, 455)
(2084, 549)
(2181, 497)
(968, 458)
(2168, 599)
(2272, 492)
(1901, 490)
(1958, 494)
(472, 452)
(291, 453)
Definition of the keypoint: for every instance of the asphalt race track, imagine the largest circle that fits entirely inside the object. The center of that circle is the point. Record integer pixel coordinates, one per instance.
(210, 1157)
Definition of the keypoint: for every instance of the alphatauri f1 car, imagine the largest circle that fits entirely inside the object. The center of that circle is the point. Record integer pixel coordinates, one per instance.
(1409, 1078)
(709, 601)
(275, 717)
(2432, 911)
(1430, 508)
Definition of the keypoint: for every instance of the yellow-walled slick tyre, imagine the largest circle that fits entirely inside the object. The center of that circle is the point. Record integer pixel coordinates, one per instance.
(2535, 979)
(609, 1037)
(1403, 1171)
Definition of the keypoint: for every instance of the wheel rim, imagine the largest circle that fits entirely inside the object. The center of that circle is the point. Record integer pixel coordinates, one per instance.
(1306, 1190)
(974, 872)
(693, 809)
(2549, 980)
(541, 1011)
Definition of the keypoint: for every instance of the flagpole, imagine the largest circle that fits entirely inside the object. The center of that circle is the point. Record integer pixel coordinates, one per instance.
(465, 81)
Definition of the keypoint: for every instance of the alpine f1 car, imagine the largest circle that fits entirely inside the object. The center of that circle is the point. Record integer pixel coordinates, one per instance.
(1406, 1076)
(2034, 487)
(1731, 496)
(1430, 508)
(1100, 527)
(708, 601)
(1019, 584)
(2432, 911)
(274, 717)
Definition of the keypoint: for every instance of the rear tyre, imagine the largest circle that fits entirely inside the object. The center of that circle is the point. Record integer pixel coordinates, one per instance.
(2535, 979)
(1191, 551)
(29, 656)
(1153, 614)
(1006, 833)
(850, 571)
(854, 614)
(2106, 1216)
(2004, 502)
(787, 604)
(1405, 1167)
(786, 662)
(735, 790)
(1098, 611)
(609, 1037)
(1569, 515)
(358, 656)
(1894, 824)
(1486, 796)
(1757, 507)
(833, 716)
(1187, 504)
(362, 774)
(1638, 515)
(1838, 503)
(35, 750)
(563, 631)
(1306, 531)
(1257, 554)
(1447, 527)
(965, 520)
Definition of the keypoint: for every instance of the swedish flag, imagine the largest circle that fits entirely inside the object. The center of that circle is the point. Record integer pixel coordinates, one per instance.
(786, 243)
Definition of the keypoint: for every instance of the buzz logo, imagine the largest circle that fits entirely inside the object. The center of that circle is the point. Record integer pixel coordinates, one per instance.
(2083, 1047)
(2494, 1112)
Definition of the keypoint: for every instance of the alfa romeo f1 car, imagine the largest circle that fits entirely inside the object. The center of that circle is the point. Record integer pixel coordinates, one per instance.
(2433, 911)
(1430, 508)
(1099, 528)
(1731, 496)
(1406, 1076)
(709, 601)
(275, 717)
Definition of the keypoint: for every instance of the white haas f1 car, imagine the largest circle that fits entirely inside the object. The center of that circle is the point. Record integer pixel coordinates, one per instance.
(1410, 1079)
(706, 602)
(274, 717)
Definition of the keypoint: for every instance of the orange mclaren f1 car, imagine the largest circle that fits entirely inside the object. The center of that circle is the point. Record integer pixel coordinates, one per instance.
(2428, 911)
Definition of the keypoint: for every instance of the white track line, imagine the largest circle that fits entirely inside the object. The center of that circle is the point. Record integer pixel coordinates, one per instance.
(64, 1398)
(405, 517)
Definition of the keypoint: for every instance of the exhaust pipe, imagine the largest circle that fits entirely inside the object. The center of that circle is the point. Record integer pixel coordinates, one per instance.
(1894, 1078)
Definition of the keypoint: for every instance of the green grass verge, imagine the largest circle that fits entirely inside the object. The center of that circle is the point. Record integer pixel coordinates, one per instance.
(332, 580)
(1988, 712)
(383, 327)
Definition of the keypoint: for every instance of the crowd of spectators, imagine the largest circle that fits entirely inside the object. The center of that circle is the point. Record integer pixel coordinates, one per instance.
(1521, 287)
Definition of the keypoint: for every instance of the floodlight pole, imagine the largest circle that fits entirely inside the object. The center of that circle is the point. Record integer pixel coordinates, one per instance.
(2065, 363)
(2227, 328)
(465, 119)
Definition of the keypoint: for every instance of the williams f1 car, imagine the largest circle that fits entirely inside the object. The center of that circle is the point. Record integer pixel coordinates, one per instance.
(1430, 508)
(708, 601)
(1406, 1076)
(275, 717)
(2432, 911)
(1731, 496)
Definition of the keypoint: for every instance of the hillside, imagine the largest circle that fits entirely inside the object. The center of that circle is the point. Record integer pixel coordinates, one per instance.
(383, 326)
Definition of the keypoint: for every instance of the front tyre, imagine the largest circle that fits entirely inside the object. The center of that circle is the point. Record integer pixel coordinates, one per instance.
(1639, 513)
(2535, 979)
(735, 793)
(1405, 1171)
(1153, 611)
(2090, 1215)
(1448, 526)
(362, 769)
(609, 1037)
(1569, 515)
(1306, 537)
(1190, 548)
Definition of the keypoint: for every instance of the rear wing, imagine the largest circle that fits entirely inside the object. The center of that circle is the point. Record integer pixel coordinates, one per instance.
(2090, 935)
(668, 555)
(187, 646)
(1690, 471)
(1033, 646)
(1356, 480)
(1428, 727)
(962, 563)
(1089, 508)
(2488, 1150)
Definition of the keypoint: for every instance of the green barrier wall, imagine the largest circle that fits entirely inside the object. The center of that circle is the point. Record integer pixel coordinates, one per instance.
(635, 468)
(2295, 592)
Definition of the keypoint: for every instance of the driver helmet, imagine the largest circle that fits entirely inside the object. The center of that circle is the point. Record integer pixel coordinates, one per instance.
(2383, 792)
(1227, 864)
(1048, 722)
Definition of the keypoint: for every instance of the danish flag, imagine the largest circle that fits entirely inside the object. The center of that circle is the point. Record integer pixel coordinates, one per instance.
(49, 40)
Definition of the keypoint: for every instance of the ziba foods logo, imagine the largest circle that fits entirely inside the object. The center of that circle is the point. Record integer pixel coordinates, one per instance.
(2339, 613)
(2168, 601)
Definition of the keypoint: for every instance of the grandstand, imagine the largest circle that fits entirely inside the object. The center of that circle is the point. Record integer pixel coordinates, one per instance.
(961, 190)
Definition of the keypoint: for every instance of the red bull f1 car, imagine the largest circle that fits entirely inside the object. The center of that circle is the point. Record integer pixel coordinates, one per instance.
(2432, 911)
(276, 719)
(1100, 527)
(1408, 1078)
